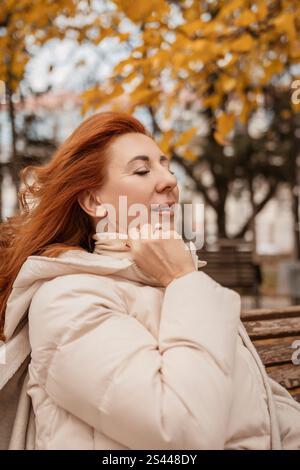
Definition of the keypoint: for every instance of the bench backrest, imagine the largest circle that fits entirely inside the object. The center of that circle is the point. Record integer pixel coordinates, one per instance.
(233, 269)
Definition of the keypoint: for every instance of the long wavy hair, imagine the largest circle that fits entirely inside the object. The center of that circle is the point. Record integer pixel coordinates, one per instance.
(50, 219)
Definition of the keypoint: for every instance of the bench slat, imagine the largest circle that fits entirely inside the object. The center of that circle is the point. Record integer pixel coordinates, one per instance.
(273, 328)
(287, 375)
(268, 313)
(295, 394)
(273, 331)
(276, 350)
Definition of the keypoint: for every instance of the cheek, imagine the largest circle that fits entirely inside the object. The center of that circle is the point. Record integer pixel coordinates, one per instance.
(138, 191)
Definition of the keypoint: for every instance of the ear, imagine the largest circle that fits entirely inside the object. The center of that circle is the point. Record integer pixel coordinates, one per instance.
(88, 202)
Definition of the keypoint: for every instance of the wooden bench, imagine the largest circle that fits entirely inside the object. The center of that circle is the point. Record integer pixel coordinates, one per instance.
(273, 332)
(234, 269)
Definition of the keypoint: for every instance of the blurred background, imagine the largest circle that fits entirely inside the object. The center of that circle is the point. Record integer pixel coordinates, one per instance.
(218, 84)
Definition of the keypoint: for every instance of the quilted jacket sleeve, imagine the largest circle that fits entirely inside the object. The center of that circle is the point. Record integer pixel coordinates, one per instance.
(170, 392)
(288, 415)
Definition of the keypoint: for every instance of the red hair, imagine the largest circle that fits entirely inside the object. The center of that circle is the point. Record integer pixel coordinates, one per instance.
(56, 222)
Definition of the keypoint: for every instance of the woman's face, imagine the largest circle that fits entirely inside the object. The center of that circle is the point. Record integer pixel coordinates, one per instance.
(138, 170)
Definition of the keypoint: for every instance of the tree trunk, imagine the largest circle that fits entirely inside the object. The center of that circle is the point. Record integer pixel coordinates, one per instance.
(295, 209)
(257, 207)
(294, 187)
(14, 168)
(253, 222)
(221, 221)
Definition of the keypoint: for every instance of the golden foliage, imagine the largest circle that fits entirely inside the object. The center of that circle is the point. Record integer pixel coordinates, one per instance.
(224, 125)
(221, 48)
(23, 19)
(186, 136)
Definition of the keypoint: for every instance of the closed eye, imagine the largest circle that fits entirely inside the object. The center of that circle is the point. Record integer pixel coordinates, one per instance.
(141, 172)
(145, 172)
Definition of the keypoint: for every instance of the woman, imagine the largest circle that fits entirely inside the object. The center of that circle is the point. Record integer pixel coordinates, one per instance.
(131, 346)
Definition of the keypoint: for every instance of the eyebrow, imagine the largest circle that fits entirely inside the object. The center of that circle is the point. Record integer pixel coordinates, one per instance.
(146, 158)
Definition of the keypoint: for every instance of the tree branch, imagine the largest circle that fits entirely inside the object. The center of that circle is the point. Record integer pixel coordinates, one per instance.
(257, 208)
(199, 186)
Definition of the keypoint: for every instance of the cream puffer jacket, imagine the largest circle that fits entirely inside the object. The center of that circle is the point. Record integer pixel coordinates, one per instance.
(120, 362)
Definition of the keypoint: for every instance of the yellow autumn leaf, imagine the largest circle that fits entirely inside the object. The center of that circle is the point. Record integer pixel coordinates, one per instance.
(165, 142)
(244, 113)
(160, 59)
(228, 84)
(119, 68)
(192, 27)
(269, 71)
(212, 101)
(140, 10)
(131, 76)
(230, 7)
(93, 97)
(116, 92)
(285, 23)
(193, 12)
(144, 96)
(186, 136)
(215, 28)
(200, 45)
(244, 44)
(261, 9)
(152, 38)
(245, 19)
(220, 138)
(181, 42)
(294, 50)
(190, 155)
(123, 36)
(224, 125)
(168, 105)
(104, 33)
(178, 59)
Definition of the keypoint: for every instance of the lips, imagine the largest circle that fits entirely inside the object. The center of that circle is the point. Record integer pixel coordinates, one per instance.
(162, 207)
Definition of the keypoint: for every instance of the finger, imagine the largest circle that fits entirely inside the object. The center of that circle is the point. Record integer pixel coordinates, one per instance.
(176, 234)
(171, 234)
(133, 234)
(146, 231)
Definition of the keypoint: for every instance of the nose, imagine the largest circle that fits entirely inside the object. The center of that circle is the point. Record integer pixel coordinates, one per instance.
(165, 180)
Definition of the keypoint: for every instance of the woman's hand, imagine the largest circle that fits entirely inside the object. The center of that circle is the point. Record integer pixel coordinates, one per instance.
(162, 258)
